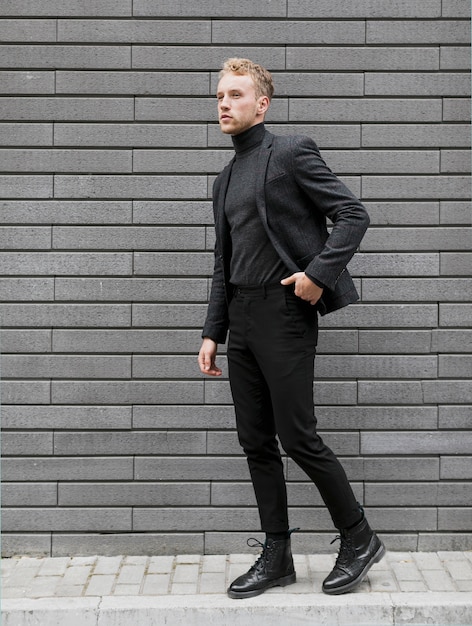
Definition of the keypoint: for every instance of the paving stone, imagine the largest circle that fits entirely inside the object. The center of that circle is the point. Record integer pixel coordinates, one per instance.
(156, 584)
(100, 585)
(161, 564)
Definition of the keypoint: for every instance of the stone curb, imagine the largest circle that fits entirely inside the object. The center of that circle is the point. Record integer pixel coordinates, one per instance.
(380, 609)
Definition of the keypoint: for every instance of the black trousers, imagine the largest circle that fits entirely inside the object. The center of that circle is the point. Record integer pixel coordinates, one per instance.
(271, 351)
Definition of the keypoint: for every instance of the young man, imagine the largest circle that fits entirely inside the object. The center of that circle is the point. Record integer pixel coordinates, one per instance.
(276, 268)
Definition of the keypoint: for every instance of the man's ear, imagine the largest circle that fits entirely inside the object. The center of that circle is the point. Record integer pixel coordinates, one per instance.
(263, 104)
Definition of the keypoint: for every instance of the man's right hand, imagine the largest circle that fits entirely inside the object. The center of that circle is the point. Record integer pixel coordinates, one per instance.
(207, 356)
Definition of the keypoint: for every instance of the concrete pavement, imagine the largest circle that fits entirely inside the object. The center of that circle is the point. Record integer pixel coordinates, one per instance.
(404, 588)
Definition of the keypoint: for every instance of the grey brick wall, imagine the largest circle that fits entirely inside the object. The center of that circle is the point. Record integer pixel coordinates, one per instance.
(112, 441)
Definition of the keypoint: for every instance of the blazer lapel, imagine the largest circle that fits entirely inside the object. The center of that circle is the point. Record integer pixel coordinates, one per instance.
(262, 163)
(219, 201)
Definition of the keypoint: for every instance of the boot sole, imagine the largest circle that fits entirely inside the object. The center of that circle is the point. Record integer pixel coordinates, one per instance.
(278, 582)
(378, 556)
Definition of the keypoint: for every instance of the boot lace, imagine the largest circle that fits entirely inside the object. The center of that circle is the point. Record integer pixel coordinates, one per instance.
(346, 550)
(252, 542)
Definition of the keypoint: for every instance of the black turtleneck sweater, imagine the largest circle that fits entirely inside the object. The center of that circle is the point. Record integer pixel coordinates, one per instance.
(254, 260)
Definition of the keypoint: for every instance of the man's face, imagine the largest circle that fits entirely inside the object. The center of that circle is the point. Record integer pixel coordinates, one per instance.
(238, 107)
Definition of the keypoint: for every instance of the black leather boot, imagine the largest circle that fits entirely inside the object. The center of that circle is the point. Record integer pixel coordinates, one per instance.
(360, 549)
(273, 568)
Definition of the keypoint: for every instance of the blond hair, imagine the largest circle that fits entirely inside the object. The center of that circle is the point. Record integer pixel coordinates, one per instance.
(261, 77)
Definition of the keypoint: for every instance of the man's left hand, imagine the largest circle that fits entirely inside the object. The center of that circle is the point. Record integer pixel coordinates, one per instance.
(304, 287)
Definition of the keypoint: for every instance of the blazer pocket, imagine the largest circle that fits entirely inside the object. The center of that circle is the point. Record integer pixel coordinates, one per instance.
(276, 177)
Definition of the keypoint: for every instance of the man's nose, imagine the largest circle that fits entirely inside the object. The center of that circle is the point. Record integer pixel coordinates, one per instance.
(224, 103)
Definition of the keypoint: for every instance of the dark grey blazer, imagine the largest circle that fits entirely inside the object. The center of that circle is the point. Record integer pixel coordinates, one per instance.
(295, 193)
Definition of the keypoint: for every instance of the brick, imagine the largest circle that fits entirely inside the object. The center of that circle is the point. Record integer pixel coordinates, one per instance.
(185, 417)
(402, 468)
(189, 519)
(33, 82)
(26, 444)
(363, 59)
(130, 186)
(133, 494)
(454, 519)
(382, 161)
(456, 109)
(176, 212)
(417, 519)
(135, 31)
(358, 366)
(391, 341)
(72, 519)
(166, 366)
(26, 186)
(455, 366)
(140, 442)
(454, 494)
(177, 263)
(455, 315)
(108, 392)
(364, 8)
(65, 366)
(456, 468)
(416, 443)
(416, 289)
(163, 289)
(391, 264)
(63, 263)
(59, 315)
(56, 468)
(21, 134)
(448, 391)
(27, 30)
(131, 83)
(416, 84)
(454, 58)
(57, 56)
(168, 161)
(18, 237)
(456, 264)
(120, 543)
(25, 392)
(456, 8)
(110, 341)
(203, 58)
(415, 135)
(33, 544)
(131, 135)
(170, 8)
(403, 213)
(26, 341)
(35, 494)
(391, 392)
(455, 161)
(377, 418)
(27, 289)
(452, 341)
(67, 109)
(184, 468)
(313, 84)
(66, 212)
(54, 8)
(418, 32)
(337, 341)
(366, 110)
(288, 32)
(455, 417)
(66, 160)
(129, 238)
(381, 315)
(404, 494)
(447, 187)
(456, 213)
(66, 417)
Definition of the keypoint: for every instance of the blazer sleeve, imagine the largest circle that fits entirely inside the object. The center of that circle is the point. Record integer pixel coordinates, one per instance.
(331, 197)
(216, 322)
